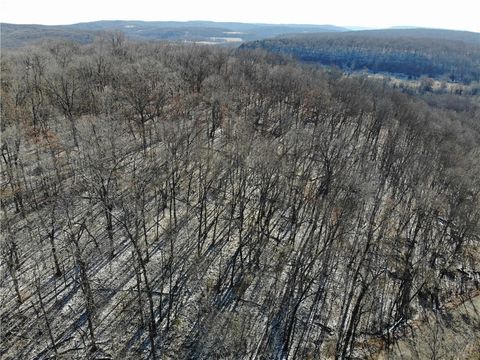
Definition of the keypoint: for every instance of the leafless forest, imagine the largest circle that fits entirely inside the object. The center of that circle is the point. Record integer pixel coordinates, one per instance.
(169, 201)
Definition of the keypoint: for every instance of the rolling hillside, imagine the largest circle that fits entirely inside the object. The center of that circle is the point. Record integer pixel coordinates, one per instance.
(176, 201)
(451, 55)
(14, 36)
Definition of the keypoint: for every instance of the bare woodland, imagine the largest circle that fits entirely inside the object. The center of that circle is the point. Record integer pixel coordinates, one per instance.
(168, 201)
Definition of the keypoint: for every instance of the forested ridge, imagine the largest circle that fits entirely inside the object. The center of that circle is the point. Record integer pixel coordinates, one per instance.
(19, 35)
(171, 201)
(448, 55)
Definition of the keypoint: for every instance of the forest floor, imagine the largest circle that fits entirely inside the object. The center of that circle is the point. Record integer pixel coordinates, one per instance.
(451, 333)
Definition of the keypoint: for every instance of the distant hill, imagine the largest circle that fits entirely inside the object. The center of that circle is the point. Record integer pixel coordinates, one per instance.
(411, 52)
(13, 35)
(250, 28)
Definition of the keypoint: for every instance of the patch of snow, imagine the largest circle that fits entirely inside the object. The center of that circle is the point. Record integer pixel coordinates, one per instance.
(226, 39)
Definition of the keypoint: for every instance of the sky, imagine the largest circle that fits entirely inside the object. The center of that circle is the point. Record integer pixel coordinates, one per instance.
(447, 14)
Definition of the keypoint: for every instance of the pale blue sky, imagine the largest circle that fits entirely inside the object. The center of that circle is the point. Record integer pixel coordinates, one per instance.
(448, 14)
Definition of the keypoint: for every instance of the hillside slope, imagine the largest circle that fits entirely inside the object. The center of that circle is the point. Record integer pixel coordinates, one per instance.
(178, 201)
(14, 36)
(451, 55)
